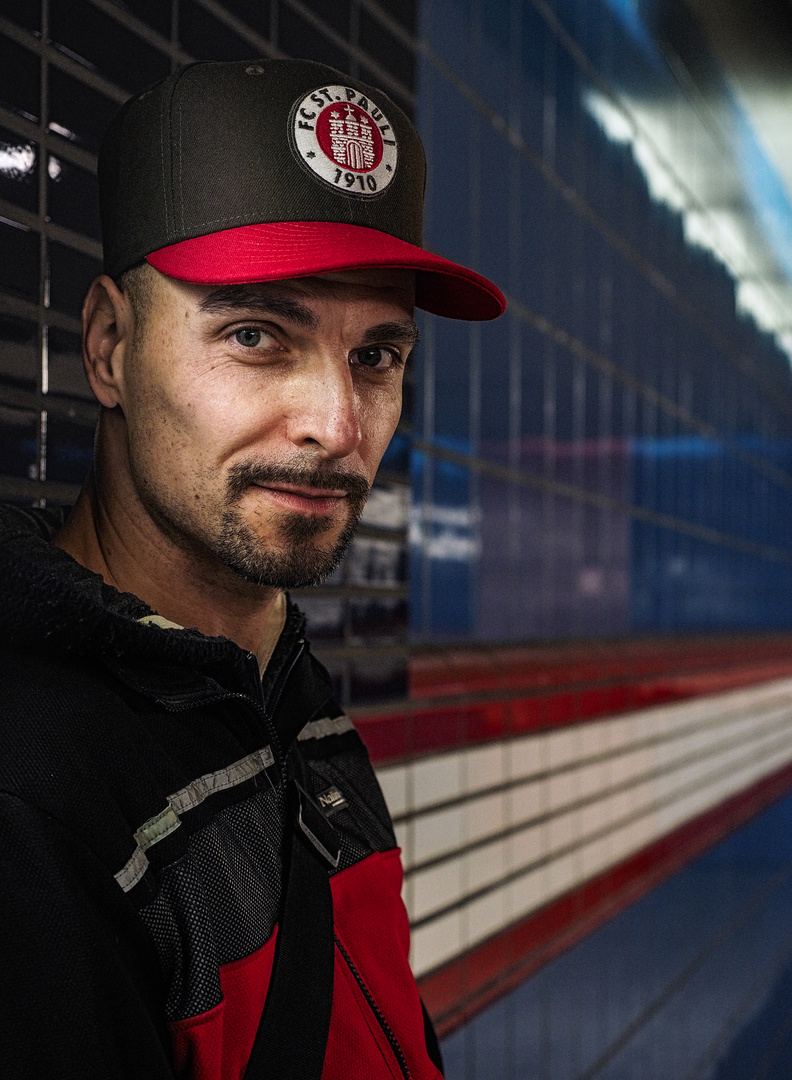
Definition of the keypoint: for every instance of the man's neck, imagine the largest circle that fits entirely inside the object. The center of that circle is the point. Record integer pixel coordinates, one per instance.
(175, 583)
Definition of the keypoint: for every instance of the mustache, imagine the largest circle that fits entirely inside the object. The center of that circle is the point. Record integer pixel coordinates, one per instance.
(245, 473)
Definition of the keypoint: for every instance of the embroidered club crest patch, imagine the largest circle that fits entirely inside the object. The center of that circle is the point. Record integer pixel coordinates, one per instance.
(345, 140)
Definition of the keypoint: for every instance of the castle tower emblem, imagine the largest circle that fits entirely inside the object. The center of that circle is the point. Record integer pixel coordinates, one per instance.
(351, 139)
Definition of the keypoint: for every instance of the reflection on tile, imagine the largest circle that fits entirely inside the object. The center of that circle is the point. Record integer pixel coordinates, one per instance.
(325, 617)
(98, 41)
(377, 620)
(77, 113)
(73, 197)
(387, 506)
(376, 562)
(19, 442)
(19, 267)
(69, 450)
(20, 79)
(19, 166)
(19, 354)
(66, 372)
(377, 678)
(71, 273)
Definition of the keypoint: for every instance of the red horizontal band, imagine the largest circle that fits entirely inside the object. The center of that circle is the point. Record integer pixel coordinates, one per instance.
(565, 686)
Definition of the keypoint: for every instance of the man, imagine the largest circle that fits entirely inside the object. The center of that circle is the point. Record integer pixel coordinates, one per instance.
(199, 874)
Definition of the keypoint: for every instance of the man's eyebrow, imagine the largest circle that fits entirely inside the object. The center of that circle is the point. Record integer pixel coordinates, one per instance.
(237, 298)
(405, 333)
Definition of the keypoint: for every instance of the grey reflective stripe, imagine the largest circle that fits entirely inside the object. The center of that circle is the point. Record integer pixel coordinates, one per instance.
(320, 729)
(200, 789)
(157, 828)
(133, 871)
(187, 798)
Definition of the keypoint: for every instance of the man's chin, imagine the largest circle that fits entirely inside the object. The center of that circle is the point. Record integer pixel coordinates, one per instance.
(304, 557)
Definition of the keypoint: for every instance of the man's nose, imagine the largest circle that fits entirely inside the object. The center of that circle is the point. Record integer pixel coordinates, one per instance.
(325, 411)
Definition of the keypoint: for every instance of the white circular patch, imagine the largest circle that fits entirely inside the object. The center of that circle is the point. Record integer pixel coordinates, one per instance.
(345, 140)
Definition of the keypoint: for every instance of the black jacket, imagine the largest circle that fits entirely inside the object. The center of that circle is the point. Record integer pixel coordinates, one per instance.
(142, 820)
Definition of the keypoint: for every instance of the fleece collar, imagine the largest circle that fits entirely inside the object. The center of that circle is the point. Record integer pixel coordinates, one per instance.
(51, 601)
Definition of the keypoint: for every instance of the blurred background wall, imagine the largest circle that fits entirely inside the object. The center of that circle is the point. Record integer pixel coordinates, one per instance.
(565, 627)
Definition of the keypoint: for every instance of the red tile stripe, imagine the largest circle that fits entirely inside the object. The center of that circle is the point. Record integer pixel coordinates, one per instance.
(463, 987)
(472, 697)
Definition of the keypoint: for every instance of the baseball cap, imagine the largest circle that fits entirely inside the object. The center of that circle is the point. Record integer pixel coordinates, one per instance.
(243, 171)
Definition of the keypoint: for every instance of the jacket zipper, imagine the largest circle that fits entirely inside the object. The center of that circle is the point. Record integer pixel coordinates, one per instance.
(383, 1023)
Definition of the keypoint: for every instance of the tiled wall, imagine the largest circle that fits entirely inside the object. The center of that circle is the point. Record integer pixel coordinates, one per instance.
(613, 455)
(492, 833)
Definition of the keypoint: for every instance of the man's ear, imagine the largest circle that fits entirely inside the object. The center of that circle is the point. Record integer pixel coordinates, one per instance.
(108, 329)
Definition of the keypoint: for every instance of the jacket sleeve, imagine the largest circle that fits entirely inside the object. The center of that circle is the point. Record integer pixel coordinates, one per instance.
(78, 977)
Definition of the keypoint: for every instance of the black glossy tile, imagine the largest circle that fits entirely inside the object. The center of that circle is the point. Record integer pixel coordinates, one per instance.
(102, 44)
(66, 374)
(69, 450)
(71, 273)
(206, 38)
(155, 13)
(397, 457)
(376, 562)
(325, 617)
(18, 442)
(258, 16)
(25, 13)
(388, 506)
(20, 78)
(297, 37)
(19, 165)
(387, 50)
(73, 197)
(336, 13)
(19, 352)
(76, 111)
(377, 620)
(377, 679)
(19, 266)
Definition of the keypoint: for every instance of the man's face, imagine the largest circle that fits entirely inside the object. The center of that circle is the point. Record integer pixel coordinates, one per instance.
(256, 415)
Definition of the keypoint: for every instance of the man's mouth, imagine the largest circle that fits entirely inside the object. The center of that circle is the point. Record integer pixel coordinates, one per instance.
(305, 500)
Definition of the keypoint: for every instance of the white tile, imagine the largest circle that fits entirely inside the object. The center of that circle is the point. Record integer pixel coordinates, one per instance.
(591, 739)
(436, 887)
(528, 845)
(436, 942)
(484, 766)
(484, 917)
(561, 790)
(485, 864)
(486, 816)
(590, 780)
(560, 831)
(438, 832)
(527, 801)
(526, 893)
(436, 779)
(563, 874)
(393, 782)
(562, 748)
(528, 756)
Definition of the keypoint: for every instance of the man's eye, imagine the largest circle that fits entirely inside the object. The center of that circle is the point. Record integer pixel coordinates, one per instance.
(376, 356)
(248, 336)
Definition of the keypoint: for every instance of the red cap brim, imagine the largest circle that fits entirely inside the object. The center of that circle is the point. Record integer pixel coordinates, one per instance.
(289, 249)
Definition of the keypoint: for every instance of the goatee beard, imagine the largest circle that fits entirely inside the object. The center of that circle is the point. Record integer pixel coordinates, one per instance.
(293, 560)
